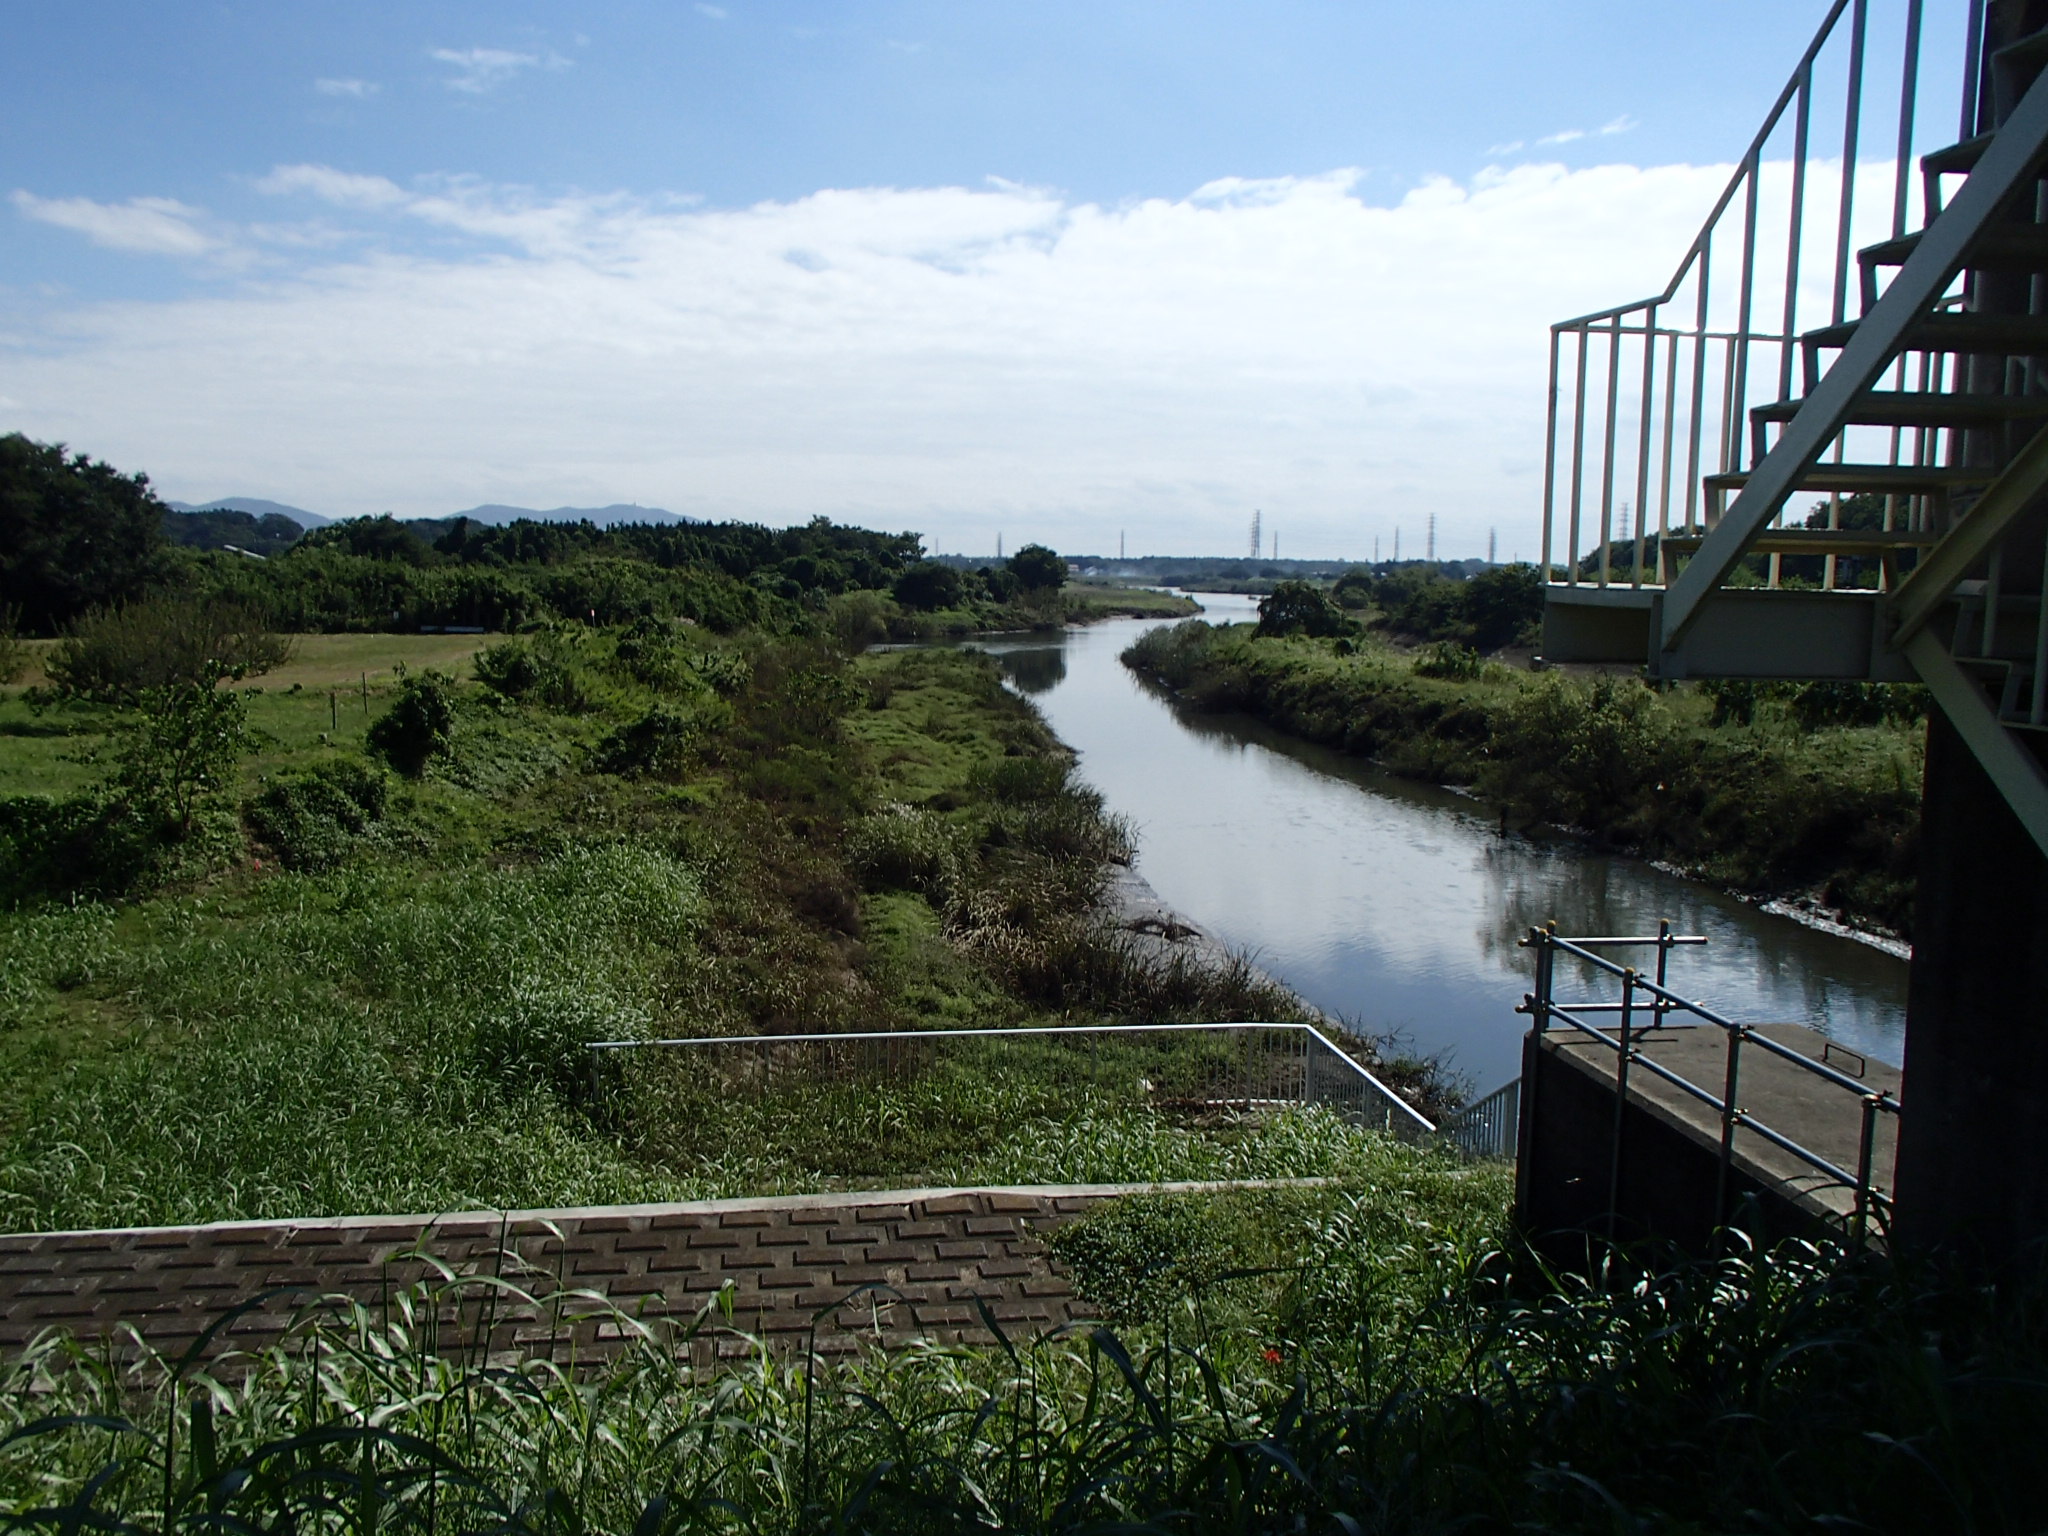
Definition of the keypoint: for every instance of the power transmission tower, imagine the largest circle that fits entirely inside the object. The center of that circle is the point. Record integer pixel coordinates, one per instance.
(1256, 539)
(1492, 541)
(999, 546)
(1397, 543)
(1429, 552)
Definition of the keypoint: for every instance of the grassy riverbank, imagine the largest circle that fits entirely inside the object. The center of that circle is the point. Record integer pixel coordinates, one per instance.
(350, 988)
(1764, 794)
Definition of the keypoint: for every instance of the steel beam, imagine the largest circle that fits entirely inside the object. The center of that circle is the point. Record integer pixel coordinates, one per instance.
(2016, 771)
(1940, 254)
(1935, 577)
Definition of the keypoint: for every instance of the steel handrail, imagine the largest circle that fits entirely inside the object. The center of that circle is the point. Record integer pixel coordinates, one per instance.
(1308, 1031)
(1629, 1052)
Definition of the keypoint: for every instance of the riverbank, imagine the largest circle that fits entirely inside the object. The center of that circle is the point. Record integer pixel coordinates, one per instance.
(1771, 806)
(365, 984)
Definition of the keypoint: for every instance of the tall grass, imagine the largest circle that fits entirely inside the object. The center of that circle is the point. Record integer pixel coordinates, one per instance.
(1798, 1389)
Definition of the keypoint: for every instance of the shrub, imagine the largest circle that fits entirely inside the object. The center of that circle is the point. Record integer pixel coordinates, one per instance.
(82, 845)
(903, 848)
(312, 817)
(540, 1037)
(419, 725)
(509, 667)
(115, 655)
(658, 743)
(1449, 659)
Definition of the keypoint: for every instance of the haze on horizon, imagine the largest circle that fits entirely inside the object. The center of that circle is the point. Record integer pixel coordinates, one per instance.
(1057, 271)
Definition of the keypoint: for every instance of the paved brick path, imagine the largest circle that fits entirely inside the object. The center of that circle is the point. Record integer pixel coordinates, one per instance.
(937, 1251)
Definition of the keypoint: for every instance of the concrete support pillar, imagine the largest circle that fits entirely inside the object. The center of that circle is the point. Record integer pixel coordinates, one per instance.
(1973, 1141)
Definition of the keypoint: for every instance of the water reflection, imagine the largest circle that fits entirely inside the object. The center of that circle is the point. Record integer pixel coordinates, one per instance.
(1400, 905)
(1036, 669)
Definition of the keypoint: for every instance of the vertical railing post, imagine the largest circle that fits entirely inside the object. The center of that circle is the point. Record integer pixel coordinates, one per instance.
(1730, 1114)
(1621, 1061)
(1550, 460)
(1571, 543)
(1860, 1223)
(1852, 118)
(1607, 448)
(1909, 90)
(1643, 439)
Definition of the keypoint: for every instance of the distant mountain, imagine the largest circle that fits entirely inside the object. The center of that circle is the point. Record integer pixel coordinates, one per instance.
(604, 517)
(255, 507)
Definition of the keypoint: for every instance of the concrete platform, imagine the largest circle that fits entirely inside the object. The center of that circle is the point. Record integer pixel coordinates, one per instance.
(1567, 1151)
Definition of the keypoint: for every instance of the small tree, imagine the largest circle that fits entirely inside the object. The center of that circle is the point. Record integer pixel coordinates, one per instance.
(182, 748)
(1038, 569)
(1297, 608)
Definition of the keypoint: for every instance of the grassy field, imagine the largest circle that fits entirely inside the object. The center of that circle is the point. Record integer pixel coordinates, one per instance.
(390, 1014)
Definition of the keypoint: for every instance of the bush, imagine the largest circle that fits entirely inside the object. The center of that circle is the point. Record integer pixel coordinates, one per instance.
(903, 848)
(1299, 608)
(312, 817)
(1449, 659)
(419, 725)
(658, 743)
(82, 845)
(115, 655)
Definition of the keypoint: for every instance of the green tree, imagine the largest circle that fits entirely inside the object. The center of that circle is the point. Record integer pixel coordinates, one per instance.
(927, 585)
(1038, 569)
(75, 534)
(1298, 608)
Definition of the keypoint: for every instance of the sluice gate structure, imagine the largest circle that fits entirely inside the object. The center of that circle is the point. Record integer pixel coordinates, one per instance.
(1821, 453)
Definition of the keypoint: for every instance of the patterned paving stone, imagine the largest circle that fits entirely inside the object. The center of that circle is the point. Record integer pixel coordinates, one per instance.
(783, 1266)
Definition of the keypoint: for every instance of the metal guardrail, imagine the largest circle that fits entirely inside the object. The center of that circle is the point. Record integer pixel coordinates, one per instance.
(1209, 1066)
(1649, 397)
(1489, 1127)
(1657, 1003)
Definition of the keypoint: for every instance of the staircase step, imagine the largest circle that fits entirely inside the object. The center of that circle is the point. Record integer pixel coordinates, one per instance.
(2003, 247)
(2029, 52)
(1922, 408)
(1889, 479)
(1844, 542)
(1956, 159)
(1995, 335)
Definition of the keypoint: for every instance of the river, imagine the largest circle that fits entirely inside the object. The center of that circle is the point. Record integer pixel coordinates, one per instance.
(1394, 905)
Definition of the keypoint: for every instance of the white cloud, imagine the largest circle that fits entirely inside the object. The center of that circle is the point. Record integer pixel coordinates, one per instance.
(478, 70)
(342, 188)
(952, 359)
(715, 12)
(358, 89)
(149, 226)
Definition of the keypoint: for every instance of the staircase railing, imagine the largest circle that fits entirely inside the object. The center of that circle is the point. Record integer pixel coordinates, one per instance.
(1649, 401)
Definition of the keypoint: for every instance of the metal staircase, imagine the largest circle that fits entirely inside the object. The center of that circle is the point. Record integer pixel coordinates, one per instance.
(1886, 521)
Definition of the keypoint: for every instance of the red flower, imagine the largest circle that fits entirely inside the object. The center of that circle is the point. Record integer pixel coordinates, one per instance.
(1272, 1357)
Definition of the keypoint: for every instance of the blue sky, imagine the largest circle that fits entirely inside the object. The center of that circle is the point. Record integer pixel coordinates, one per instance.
(1049, 269)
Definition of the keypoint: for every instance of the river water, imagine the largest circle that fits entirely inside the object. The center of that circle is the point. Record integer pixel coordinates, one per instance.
(1397, 906)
